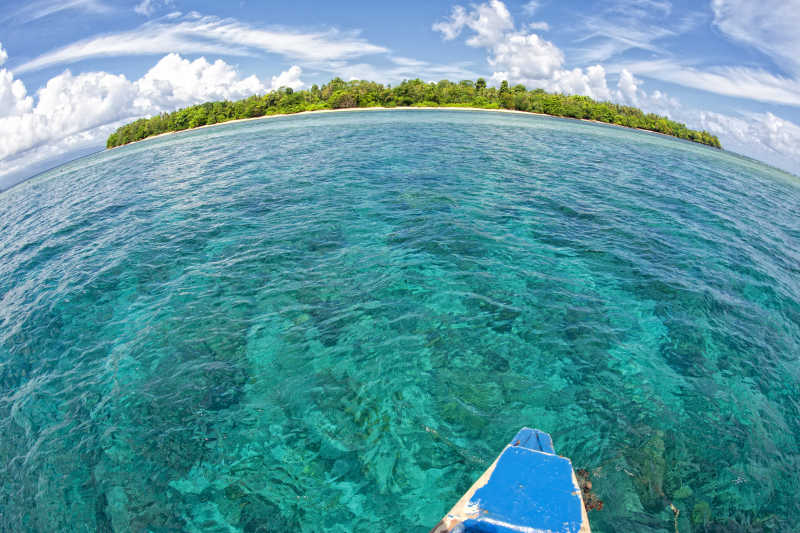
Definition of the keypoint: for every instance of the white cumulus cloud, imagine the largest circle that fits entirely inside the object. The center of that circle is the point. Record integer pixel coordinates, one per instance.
(490, 22)
(78, 111)
(14, 98)
(66, 106)
(590, 81)
(769, 132)
(520, 56)
(629, 92)
(526, 56)
(288, 78)
(175, 81)
(628, 88)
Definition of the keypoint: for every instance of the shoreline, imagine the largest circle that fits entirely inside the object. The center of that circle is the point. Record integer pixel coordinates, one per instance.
(403, 108)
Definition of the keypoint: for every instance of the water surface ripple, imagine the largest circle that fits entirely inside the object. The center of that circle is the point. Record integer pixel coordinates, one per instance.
(336, 322)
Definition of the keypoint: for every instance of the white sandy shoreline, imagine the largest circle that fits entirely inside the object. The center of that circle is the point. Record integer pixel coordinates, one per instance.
(403, 108)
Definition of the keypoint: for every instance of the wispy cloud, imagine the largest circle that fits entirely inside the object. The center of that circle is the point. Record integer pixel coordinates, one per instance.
(771, 26)
(538, 26)
(604, 38)
(640, 8)
(43, 8)
(738, 82)
(408, 61)
(196, 34)
(148, 7)
(620, 26)
(531, 7)
(530, 10)
(403, 68)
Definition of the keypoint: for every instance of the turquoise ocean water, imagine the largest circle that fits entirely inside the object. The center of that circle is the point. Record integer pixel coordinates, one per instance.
(335, 322)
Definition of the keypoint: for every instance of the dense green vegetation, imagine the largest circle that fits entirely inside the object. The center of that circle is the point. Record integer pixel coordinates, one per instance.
(339, 94)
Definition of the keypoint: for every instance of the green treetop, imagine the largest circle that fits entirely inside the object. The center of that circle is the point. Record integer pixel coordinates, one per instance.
(339, 94)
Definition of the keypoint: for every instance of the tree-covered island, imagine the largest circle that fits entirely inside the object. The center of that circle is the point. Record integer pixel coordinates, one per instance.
(339, 94)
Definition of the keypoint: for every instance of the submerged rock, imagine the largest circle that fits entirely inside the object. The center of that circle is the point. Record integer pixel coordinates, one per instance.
(649, 475)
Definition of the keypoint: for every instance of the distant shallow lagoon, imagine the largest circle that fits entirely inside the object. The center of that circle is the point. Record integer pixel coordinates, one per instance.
(340, 319)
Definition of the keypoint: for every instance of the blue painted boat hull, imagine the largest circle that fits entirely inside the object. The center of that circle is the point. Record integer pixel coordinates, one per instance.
(528, 488)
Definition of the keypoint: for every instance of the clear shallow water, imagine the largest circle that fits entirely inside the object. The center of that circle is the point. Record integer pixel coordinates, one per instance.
(336, 322)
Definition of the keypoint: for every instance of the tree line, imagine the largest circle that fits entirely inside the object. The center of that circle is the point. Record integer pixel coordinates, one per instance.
(339, 94)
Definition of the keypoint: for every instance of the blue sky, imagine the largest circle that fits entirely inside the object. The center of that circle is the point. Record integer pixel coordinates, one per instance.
(71, 71)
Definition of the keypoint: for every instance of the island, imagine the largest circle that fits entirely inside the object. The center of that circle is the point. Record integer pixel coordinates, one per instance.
(339, 94)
